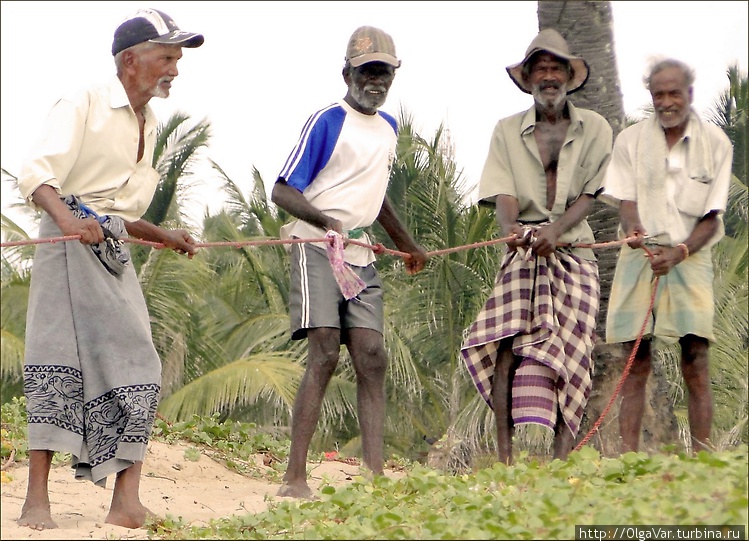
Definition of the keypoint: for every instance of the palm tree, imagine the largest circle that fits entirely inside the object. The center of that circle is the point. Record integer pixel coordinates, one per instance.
(433, 308)
(14, 295)
(587, 27)
(170, 284)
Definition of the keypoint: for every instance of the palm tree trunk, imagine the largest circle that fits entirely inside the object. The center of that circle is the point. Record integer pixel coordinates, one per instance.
(587, 27)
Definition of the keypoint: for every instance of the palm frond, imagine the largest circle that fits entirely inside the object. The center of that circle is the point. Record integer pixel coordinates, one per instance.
(242, 382)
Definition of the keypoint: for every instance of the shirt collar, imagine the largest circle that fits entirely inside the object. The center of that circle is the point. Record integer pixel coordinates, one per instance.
(118, 98)
(117, 95)
(528, 123)
(692, 119)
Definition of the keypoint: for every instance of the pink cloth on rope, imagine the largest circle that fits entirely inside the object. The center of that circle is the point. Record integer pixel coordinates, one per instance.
(348, 281)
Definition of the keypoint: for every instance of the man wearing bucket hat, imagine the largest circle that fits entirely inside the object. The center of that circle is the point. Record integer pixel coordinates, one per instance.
(335, 183)
(669, 177)
(529, 349)
(91, 373)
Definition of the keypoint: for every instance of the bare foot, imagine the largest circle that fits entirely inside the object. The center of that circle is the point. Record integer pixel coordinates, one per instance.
(134, 517)
(295, 490)
(36, 518)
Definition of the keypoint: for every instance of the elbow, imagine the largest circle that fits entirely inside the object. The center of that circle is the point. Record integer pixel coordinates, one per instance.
(275, 195)
(711, 221)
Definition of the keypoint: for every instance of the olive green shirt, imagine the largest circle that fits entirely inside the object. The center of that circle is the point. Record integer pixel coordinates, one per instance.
(513, 167)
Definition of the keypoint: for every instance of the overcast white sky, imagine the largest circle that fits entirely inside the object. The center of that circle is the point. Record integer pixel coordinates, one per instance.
(266, 66)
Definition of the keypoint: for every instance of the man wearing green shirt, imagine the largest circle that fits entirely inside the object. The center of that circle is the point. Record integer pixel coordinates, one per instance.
(529, 349)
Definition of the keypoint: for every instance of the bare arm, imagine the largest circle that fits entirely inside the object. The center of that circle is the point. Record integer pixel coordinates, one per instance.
(48, 199)
(631, 224)
(178, 240)
(293, 201)
(508, 211)
(667, 257)
(389, 220)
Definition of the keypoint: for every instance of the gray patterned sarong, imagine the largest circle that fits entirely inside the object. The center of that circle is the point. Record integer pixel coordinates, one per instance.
(92, 375)
(550, 306)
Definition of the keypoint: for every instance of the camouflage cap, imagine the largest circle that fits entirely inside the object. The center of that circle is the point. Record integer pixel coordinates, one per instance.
(370, 44)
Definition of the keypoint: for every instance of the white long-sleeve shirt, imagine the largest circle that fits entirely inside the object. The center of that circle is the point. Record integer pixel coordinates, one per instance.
(89, 148)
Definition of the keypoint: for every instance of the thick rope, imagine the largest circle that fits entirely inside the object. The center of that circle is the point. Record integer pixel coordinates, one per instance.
(381, 249)
(376, 248)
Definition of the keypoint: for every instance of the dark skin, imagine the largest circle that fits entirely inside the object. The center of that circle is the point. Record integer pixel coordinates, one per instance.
(671, 97)
(548, 78)
(366, 346)
(141, 72)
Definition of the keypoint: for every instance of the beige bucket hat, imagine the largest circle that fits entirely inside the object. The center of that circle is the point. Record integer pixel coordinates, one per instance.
(551, 41)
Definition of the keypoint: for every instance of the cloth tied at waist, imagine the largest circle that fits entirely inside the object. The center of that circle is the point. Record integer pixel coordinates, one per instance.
(349, 283)
(110, 251)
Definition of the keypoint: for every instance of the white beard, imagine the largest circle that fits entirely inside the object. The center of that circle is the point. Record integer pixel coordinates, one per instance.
(366, 100)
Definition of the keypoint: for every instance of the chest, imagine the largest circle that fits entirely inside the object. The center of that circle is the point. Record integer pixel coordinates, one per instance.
(550, 139)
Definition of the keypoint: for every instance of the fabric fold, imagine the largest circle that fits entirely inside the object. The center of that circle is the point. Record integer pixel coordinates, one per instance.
(349, 283)
(548, 306)
(651, 168)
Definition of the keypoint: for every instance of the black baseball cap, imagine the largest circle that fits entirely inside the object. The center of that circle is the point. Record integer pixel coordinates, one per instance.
(155, 26)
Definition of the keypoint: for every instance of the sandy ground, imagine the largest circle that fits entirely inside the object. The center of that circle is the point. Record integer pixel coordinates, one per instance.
(197, 491)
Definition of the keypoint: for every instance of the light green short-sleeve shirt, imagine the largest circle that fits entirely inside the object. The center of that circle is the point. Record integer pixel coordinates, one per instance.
(513, 167)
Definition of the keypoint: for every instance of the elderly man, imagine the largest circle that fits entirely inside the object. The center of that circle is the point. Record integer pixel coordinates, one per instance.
(529, 349)
(92, 375)
(669, 175)
(335, 182)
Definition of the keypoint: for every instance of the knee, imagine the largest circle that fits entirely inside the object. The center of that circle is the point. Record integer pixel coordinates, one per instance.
(640, 368)
(375, 358)
(370, 361)
(326, 359)
(641, 364)
(694, 357)
(694, 350)
(506, 361)
(323, 354)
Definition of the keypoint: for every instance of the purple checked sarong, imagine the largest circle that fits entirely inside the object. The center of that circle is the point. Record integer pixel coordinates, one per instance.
(550, 306)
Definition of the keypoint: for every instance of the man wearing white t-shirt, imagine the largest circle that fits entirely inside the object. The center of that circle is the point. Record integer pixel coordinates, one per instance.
(335, 180)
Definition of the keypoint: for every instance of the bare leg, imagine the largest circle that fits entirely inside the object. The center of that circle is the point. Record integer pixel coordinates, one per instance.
(370, 361)
(563, 439)
(694, 367)
(322, 359)
(36, 512)
(504, 371)
(632, 405)
(126, 509)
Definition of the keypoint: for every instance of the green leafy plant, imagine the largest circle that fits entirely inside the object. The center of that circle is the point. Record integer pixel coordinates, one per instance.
(530, 500)
(233, 443)
(14, 439)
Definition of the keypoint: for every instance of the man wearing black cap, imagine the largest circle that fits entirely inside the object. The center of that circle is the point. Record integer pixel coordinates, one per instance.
(91, 373)
(335, 182)
(529, 350)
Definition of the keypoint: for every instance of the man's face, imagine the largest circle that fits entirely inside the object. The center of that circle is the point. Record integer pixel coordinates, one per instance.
(369, 85)
(157, 68)
(672, 97)
(548, 80)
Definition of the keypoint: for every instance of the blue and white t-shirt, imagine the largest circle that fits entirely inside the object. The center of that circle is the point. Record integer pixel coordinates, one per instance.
(342, 165)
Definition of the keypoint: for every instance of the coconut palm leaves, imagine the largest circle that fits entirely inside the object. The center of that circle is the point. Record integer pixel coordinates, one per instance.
(220, 320)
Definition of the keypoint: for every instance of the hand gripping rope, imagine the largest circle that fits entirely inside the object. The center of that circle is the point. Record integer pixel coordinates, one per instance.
(379, 248)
